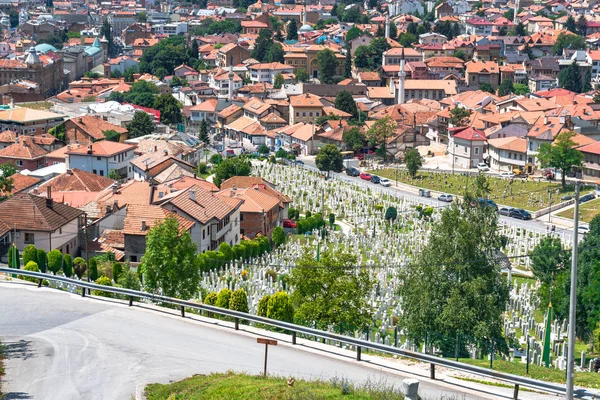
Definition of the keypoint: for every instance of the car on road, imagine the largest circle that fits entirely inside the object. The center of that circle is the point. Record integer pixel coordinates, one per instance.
(505, 211)
(375, 179)
(299, 162)
(352, 171)
(288, 223)
(519, 213)
(448, 198)
(385, 182)
(366, 176)
(583, 229)
(508, 175)
(483, 167)
(485, 203)
(587, 197)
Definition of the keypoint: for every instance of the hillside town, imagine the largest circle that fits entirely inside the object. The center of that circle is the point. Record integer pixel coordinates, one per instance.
(238, 142)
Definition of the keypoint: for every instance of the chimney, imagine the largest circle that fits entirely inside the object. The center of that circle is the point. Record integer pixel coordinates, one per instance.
(545, 120)
(166, 152)
(69, 172)
(115, 188)
(155, 148)
(108, 209)
(193, 195)
(49, 196)
(89, 150)
(144, 227)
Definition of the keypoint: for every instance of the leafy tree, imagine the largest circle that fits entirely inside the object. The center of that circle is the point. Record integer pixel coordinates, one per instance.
(327, 65)
(129, 280)
(332, 291)
(302, 75)
(106, 31)
(413, 161)
(168, 54)
(235, 166)
(506, 87)
(29, 254)
(279, 307)
(292, 32)
(568, 41)
(30, 266)
(278, 236)
(261, 309)
(278, 83)
(225, 248)
(520, 89)
(486, 87)
(353, 33)
(570, 78)
(561, 154)
(548, 259)
(67, 265)
(216, 159)
(455, 286)
(407, 39)
(520, 29)
(391, 214)
(55, 260)
(117, 270)
(42, 260)
(582, 26)
(393, 29)
(331, 220)
(354, 139)
(587, 80)
(203, 134)
(345, 102)
(194, 51)
(223, 298)
(14, 18)
(104, 281)
(141, 125)
(93, 271)
(112, 135)
(379, 133)
(460, 54)
(571, 25)
(239, 301)
(348, 65)
(160, 73)
(14, 260)
(275, 53)
(79, 266)
(169, 264)
(263, 149)
(509, 15)
(169, 107)
(262, 45)
(596, 98)
(329, 158)
(459, 116)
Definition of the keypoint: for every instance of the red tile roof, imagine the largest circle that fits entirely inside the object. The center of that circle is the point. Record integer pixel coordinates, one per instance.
(33, 213)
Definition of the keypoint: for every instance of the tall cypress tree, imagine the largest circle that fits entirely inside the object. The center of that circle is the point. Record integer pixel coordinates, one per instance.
(292, 33)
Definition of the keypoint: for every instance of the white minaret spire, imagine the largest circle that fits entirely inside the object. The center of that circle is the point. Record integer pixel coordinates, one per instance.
(304, 14)
(401, 75)
(515, 18)
(230, 89)
(387, 25)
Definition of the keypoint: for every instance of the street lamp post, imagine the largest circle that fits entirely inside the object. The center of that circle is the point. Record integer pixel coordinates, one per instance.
(573, 299)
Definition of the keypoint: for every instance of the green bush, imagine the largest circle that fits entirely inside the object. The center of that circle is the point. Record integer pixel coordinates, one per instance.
(225, 248)
(117, 270)
(271, 274)
(79, 266)
(93, 269)
(223, 298)
(31, 266)
(238, 251)
(29, 254)
(239, 301)
(68, 265)
(42, 260)
(202, 168)
(14, 259)
(280, 307)
(262, 306)
(210, 300)
(55, 261)
(278, 236)
(105, 281)
(129, 280)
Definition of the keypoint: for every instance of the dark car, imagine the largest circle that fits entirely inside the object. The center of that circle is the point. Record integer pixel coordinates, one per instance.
(519, 214)
(486, 203)
(587, 197)
(299, 162)
(352, 171)
(375, 179)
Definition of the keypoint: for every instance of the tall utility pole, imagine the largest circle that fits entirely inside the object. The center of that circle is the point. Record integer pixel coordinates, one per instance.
(573, 300)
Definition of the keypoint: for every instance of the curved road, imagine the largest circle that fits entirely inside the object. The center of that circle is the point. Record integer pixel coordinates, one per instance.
(61, 346)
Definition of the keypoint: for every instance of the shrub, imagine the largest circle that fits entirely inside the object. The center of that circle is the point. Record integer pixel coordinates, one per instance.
(55, 261)
(93, 269)
(280, 307)
(29, 254)
(14, 259)
(379, 207)
(308, 215)
(79, 266)
(42, 260)
(105, 281)
(31, 266)
(202, 168)
(239, 301)
(278, 236)
(129, 280)
(117, 270)
(211, 299)
(238, 251)
(225, 248)
(244, 275)
(262, 306)
(68, 265)
(271, 274)
(223, 298)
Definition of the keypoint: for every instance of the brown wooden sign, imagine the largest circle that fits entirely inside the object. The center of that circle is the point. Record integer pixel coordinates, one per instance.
(267, 341)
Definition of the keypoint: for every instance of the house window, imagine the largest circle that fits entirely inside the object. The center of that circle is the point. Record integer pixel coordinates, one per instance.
(476, 150)
(94, 172)
(310, 114)
(241, 217)
(98, 158)
(304, 114)
(19, 163)
(29, 238)
(101, 172)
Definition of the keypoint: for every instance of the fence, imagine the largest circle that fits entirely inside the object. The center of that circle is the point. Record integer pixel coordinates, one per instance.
(294, 330)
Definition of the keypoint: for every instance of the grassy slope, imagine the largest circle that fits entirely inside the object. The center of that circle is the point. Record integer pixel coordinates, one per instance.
(240, 386)
(587, 211)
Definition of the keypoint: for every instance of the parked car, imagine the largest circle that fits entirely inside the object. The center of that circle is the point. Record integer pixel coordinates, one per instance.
(352, 171)
(566, 197)
(365, 176)
(583, 229)
(486, 203)
(424, 193)
(385, 182)
(299, 162)
(519, 214)
(375, 179)
(448, 198)
(505, 211)
(587, 197)
(483, 167)
(508, 175)
(288, 223)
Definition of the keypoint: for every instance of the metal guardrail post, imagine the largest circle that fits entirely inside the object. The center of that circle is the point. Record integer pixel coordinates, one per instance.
(432, 371)
(82, 291)
(237, 324)
(130, 301)
(40, 282)
(358, 352)
(516, 392)
(182, 311)
(293, 337)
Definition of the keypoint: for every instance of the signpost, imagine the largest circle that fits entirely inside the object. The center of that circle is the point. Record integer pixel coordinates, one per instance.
(266, 342)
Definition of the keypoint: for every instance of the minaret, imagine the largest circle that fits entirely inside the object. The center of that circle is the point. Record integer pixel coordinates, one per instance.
(304, 14)
(515, 18)
(230, 90)
(387, 25)
(401, 75)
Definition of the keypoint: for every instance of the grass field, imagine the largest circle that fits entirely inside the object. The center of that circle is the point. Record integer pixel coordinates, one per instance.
(587, 211)
(515, 193)
(247, 387)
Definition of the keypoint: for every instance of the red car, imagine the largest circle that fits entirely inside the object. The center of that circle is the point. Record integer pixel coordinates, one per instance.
(288, 223)
(365, 176)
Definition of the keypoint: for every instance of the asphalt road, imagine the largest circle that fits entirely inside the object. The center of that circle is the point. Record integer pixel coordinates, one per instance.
(61, 346)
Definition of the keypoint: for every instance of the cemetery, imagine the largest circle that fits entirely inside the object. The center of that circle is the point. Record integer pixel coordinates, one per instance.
(587, 211)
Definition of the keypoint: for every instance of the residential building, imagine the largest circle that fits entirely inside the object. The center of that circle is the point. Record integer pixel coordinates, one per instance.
(266, 72)
(47, 70)
(507, 154)
(305, 108)
(89, 128)
(478, 73)
(27, 121)
(102, 157)
(466, 148)
(24, 154)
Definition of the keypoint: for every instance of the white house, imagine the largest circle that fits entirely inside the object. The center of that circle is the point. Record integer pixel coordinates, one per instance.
(102, 157)
(506, 154)
(266, 72)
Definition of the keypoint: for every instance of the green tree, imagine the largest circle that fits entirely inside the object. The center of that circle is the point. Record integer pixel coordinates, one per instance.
(275, 53)
(391, 214)
(262, 45)
(239, 301)
(353, 139)
(104, 281)
(278, 236)
(561, 154)
(6, 180)
(345, 102)
(352, 34)
(168, 53)
(29, 254)
(235, 166)
(379, 133)
(454, 286)
(129, 280)
(459, 116)
(42, 260)
(160, 73)
(14, 260)
(30, 266)
(225, 248)
(113, 174)
(329, 158)
(141, 125)
(571, 25)
(348, 64)
(486, 87)
(582, 26)
(520, 29)
(460, 54)
(570, 78)
(14, 18)
(331, 220)
(278, 83)
(106, 32)
(203, 134)
(79, 266)
(292, 31)
(169, 264)
(194, 51)
(549, 259)
(506, 88)
(520, 89)
(568, 41)
(55, 260)
(302, 75)
(169, 107)
(112, 135)
(67, 265)
(261, 309)
(93, 271)
(413, 161)
(117, 270)
(279, 307)
(327, 294)
(587, 81)
(263, 149)
(327, 63)
(223, 298)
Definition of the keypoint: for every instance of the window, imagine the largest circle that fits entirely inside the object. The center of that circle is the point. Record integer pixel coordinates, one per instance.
(94, 172)
(98, 158)
(304, 114)
(297, 114)
(19, 163)
(29, 238)
(317, 114)
(101, 172)
(310, 114)
(476, 150)
(241, 217)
